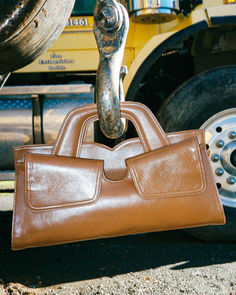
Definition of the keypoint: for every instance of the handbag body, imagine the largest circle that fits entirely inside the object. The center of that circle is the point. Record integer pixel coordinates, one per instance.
(74, 191)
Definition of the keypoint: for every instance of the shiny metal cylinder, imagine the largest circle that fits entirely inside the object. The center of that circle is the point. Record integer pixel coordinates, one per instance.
(153, 11)
(15, 127)
(55, 107)
(33, 114)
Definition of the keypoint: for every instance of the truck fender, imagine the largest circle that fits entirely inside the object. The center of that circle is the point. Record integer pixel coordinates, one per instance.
(198, 20)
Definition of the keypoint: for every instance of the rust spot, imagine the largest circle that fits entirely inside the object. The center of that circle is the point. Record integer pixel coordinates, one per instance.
(109, 48)
(36, 23)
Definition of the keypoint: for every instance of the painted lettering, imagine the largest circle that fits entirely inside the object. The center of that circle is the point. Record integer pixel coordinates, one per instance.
(78, 22)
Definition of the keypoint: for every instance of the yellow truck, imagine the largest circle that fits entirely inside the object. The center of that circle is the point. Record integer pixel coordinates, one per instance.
(181, 59)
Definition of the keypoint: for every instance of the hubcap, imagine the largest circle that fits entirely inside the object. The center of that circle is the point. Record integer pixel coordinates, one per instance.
(220, 134)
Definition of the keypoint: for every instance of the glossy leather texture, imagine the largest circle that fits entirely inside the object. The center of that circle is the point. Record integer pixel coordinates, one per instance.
(75, 191)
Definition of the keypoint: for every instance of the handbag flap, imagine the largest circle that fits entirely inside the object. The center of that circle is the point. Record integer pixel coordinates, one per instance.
(58, 182)
(171, 171)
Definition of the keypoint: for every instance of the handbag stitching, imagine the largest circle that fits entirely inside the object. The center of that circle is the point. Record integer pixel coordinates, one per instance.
(199, 134)
(128, 141)
(65, 123)
(162, 133)
(34, 146)
(22, 246)
(127, 116)
(144, 195)
(84, 130)
(14, 209)
(66, 205)
(29, 148)
(211, 181)
(80, 141)
(91, 118)
(74, 111)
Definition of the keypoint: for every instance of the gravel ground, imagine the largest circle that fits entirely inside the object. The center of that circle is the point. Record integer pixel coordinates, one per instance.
(160, 263)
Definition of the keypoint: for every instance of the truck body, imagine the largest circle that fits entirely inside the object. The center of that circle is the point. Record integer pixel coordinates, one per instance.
(181, 59)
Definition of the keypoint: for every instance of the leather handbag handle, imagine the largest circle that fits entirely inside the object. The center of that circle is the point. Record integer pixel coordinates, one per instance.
(74, 127)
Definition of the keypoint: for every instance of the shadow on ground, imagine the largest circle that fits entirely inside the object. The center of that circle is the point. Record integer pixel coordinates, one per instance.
(107, 257)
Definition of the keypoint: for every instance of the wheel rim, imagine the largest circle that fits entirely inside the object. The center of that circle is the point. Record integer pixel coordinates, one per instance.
(220, 134)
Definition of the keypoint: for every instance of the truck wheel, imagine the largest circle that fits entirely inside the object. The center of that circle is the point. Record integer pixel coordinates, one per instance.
(208, 101)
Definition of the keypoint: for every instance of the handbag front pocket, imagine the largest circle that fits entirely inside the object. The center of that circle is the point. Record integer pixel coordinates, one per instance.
(57, 182)
(171, 171)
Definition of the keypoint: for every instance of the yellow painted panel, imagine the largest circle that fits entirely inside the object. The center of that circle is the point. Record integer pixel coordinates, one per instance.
(139, 34)
(76, 49)
(60, 61)
(129, 56)
(83, 39)
(75, 41)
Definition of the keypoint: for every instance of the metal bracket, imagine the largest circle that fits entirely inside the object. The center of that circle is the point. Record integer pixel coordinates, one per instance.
(186, 6)
(3, 79)
(111, 24)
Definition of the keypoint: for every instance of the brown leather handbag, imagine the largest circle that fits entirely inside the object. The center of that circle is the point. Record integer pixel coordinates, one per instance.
(75, 191)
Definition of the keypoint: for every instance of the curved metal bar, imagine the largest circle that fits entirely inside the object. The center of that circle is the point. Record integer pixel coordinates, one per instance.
(110, 30)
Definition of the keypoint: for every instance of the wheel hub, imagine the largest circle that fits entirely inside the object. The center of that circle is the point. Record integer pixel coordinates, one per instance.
(220, 133)
(227, 158)
(233, 158)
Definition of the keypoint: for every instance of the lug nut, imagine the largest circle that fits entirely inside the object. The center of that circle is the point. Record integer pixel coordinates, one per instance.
(215, 157)
(232, 134)
(231, 180)
(219, 171)
(220, 143)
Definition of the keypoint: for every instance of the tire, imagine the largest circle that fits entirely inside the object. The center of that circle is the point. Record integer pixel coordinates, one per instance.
(29, 28)
(209, 100)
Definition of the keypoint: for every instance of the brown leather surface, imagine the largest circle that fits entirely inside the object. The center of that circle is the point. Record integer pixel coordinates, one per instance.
(114, 158)
(74, 127)
(181, 162)
(44, 174)
(78, 191)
